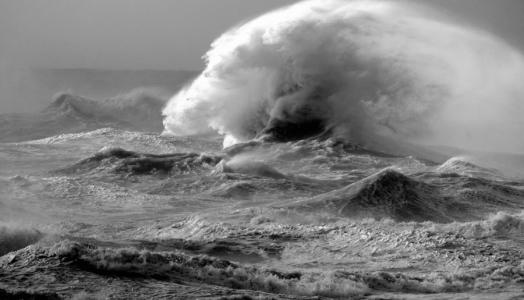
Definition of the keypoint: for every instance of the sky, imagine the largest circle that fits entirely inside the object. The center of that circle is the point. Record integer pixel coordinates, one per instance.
(129, 34)
(167, 34)
(162, 34)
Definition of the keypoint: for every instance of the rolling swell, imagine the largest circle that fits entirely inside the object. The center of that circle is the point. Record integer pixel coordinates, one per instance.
(244, 172)
(120, 161)
(359, 224)
(387, 194)
(423, 197)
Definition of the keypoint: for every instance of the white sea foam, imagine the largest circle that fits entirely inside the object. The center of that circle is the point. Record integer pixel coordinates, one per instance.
(364, 68)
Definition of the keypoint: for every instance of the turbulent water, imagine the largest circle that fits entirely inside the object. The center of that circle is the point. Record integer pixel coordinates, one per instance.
(121, 215)
(306, 201)
(362, 69)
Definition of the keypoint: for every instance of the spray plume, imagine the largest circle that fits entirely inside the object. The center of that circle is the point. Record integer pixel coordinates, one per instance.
(366, 70)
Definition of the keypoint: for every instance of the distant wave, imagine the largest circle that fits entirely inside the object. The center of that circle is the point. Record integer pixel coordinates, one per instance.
(138, 110)
(357, 69)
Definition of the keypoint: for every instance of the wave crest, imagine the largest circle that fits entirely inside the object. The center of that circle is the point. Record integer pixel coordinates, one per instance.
(12, 238)
(361, 69)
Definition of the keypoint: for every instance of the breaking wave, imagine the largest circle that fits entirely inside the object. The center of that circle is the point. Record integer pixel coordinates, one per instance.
(13, 238)
(181, 268)
(359, 69)
(500, 224)
(118, 160)
(138, 110)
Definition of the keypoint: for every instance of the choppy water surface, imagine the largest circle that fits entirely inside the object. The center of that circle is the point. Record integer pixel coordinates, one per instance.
(298, 206)
(123, 215)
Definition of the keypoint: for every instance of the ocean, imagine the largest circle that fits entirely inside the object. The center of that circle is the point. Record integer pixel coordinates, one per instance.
(120, 214)
(329, 150)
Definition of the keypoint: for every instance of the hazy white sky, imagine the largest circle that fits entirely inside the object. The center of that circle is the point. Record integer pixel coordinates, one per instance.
(152, 34)
(167, 34)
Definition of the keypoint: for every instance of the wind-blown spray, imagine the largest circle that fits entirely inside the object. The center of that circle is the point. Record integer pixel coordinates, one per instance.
(366, 70)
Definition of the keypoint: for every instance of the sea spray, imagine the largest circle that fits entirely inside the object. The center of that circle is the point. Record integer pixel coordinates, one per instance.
(365, 71)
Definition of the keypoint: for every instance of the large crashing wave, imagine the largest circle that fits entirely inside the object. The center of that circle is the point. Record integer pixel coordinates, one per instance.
(362, 70)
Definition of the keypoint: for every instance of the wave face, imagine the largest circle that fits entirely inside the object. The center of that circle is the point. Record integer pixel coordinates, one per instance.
(118, 160)
(13, 238)
(390, 194)
(362, 69)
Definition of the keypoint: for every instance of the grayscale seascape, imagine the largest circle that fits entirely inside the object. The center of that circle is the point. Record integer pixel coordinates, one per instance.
(329, 150)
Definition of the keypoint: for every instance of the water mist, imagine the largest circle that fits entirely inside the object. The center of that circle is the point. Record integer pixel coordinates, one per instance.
(367, 70)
